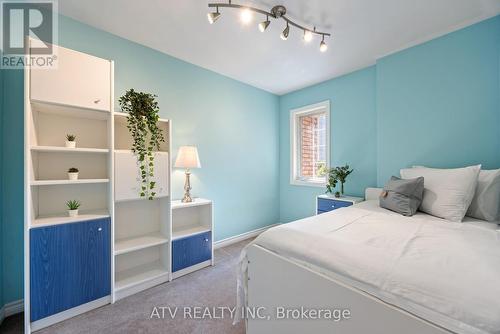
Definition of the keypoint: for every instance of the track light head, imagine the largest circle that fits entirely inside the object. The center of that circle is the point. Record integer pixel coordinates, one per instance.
(212, 17)
(284, 34)
(246, 16)
(263, 25)
(307, 36)
(322, 46)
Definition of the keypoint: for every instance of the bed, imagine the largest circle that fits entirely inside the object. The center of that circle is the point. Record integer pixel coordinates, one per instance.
(393, 274)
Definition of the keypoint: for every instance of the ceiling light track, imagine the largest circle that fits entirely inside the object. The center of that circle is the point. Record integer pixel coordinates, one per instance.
(277, 12)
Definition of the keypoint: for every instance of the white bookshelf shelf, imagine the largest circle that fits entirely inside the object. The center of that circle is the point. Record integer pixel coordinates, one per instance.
(138, 275)
(55, 149)
(63, 218)
(127, 245)
(178, 204)
(186, 231)
(122, 116)
(65, 182)
(69, 110)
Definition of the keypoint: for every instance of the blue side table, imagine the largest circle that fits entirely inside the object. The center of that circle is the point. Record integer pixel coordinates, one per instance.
(326, 203)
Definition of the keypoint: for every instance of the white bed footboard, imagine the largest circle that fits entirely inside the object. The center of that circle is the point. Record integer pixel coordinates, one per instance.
(276, 282)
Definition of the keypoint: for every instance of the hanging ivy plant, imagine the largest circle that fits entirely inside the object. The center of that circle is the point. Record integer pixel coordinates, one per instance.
(142, 123)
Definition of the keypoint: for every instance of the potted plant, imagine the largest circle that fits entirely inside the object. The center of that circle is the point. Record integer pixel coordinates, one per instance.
(142, 123)
(73, 206)
(73, 173)
(335, 175)
(70, 141)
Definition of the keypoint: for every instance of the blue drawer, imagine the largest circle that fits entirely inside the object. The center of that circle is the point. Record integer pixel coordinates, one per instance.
(325, 204)
(191, 250)
(70, 265)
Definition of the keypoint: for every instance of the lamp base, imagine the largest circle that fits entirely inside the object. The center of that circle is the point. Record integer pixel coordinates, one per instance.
(187, 187)
(186, 198)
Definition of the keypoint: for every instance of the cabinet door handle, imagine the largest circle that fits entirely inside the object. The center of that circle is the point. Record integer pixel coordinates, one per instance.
(97, 101)
(99, 229)
(206, 239)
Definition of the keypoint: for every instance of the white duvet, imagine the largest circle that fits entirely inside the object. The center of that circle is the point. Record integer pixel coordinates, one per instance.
(445, 272)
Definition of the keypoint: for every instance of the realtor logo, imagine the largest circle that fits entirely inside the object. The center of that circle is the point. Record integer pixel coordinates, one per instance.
(35, 19)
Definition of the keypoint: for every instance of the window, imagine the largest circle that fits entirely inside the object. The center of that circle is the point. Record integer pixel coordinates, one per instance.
(310, 144)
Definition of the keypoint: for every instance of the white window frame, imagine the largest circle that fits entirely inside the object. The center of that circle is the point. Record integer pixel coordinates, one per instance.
(295, 146)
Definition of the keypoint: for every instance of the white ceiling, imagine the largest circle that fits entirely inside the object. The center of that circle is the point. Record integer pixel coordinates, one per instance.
(363, 30)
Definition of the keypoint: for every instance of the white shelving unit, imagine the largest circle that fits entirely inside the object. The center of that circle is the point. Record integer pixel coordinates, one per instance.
(190, 221)
(142, 227)
(77, 98)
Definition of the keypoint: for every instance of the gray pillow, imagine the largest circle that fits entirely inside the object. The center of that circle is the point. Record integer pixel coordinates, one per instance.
(403, 196)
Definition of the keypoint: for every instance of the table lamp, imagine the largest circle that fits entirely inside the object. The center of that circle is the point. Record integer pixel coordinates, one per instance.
(187, 157)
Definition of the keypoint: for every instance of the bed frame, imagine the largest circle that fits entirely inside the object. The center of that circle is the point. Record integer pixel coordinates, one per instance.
(274, 281)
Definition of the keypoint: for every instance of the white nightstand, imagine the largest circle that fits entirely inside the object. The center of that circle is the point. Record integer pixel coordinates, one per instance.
(325, 203)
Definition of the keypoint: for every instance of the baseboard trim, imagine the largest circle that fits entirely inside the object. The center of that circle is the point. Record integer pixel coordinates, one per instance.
(241, 237)
(11, 308)
(58, 317)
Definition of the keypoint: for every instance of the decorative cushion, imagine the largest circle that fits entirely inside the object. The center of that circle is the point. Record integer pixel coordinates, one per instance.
(486, 202)
(402, 196)
(448, 193)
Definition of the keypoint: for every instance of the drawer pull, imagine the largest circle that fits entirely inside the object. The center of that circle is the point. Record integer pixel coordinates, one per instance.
(206, 239)
(97, 101)
(99, 229)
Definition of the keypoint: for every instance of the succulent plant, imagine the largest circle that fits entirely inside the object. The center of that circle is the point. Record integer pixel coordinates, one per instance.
(73, 170)
(70, 137)
(73, 204)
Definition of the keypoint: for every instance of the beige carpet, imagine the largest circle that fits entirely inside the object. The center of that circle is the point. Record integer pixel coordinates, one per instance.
(212, 287)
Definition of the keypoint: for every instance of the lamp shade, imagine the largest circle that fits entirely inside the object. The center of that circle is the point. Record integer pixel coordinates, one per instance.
(187, 157)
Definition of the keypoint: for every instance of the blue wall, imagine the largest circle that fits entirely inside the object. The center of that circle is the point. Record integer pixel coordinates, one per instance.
(436, 104)
(12, 185)
(1, 192)
(234, 125)
(353, 133)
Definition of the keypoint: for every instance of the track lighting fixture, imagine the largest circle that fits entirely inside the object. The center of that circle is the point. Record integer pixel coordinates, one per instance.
(277, 12)
(212, 17)
(322, 46)
(263, 25)
(284, 34)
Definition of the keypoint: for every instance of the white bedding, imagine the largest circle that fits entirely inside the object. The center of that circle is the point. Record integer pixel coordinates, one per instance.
(447, 273)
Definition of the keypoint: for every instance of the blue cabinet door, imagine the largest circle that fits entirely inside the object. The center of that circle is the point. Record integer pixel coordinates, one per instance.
(70, 265)
(191, 250)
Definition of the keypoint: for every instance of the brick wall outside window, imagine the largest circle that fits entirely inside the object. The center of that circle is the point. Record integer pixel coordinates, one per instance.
(308, 141)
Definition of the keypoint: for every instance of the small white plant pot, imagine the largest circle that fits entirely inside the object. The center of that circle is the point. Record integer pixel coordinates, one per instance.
(70, 144)
(72, 176)
(73, 213)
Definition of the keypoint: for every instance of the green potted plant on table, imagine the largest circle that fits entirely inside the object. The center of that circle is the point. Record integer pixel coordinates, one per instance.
(335, 175)
(142, 123)
(73, 206)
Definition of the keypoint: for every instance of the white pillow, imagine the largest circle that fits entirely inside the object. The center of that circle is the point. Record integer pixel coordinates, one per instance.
(486, 202)
(447, 192)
